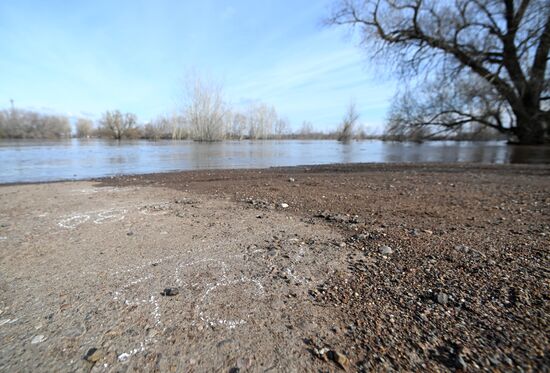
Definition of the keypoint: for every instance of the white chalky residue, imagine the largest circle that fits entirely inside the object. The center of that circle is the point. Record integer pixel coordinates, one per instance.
(151, 211)
(231, 324)
(138, 281)
(123, 357)
(38, 339)
(110, 215)
(154, 301)
(73, 221)
(148, 264)
(96, 190)
(126, 355)
(156, 309)
(290, 273)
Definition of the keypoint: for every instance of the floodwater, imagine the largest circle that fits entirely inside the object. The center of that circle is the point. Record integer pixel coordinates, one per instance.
(40, 160)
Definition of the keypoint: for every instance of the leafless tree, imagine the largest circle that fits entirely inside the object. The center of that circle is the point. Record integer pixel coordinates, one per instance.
(497, 48)
(27, 124)
(348, 123)
(117, 125)
(238, 125)
(306, 130)
(205, 108)
(166, 127)
(262, 118)
(84, 128)
(282, 127)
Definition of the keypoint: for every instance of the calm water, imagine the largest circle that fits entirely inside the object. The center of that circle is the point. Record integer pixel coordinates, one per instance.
(23, 160)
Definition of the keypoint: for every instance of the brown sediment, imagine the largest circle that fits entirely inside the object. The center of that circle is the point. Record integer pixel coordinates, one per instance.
(407, 267)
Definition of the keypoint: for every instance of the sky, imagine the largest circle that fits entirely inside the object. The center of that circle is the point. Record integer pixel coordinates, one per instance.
(81, 58)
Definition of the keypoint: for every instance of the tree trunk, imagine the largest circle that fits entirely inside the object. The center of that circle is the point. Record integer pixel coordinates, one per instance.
(530, 120)
(530, 129)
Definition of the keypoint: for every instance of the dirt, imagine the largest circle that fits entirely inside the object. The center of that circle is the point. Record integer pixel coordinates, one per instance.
(328, 268)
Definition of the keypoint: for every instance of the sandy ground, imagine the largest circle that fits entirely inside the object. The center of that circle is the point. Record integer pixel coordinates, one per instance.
(369, 267)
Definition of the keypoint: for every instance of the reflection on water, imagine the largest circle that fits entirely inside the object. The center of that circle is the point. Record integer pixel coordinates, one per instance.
(23, 160)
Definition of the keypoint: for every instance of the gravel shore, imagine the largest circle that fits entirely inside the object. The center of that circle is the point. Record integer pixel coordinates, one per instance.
(343, 267)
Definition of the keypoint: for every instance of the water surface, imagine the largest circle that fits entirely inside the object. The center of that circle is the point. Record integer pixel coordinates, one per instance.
(39, 160)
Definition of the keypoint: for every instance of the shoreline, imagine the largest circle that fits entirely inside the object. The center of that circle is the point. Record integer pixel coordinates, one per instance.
(328, 167)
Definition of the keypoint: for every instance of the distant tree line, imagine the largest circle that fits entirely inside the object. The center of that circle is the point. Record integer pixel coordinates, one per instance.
(205, 115)
(26, 124)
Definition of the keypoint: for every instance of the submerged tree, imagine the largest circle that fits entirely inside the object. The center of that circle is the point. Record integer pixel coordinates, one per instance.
(490, 57)
(205, 108)
(27, 124)
(349, 121)
(118, 125)
(262, 119)
(84, 128)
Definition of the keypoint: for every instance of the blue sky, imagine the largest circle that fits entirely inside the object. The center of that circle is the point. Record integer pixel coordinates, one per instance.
(84, 57)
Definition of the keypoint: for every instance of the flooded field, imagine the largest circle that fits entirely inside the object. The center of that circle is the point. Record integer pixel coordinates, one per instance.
(31, 161)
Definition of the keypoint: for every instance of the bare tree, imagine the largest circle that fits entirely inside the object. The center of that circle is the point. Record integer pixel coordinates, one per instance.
(26, 124)
(238, 125)
(165, 127)
(306, 130)
(84, 128)
(282, 127)
(348, 123)
(499, 48)
(118, 125)
(205, 108)
(262, 118)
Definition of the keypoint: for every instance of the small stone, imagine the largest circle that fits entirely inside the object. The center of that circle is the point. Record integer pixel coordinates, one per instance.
(130, 233)
(386, 250)
(442, 298)
(322, 353)
(291, 179)
(93, 355)
(38, 339)
(123, 357)
(170, 292)
(339, 359)
(284, 205)
(342, 244)
(461, 364)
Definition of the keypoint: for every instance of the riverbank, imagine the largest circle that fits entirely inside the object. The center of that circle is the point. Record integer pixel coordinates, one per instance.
(409, 267)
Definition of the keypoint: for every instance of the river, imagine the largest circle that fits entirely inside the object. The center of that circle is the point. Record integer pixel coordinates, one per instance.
(43, 160)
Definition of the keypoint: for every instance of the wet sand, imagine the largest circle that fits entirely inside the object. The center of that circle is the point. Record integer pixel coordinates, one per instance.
(363, 267)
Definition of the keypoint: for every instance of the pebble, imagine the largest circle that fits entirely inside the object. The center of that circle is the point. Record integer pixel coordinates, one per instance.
(291, 179)
(385, 250)
(123, 357)
(38, 339)
(442, 298)
(339, 359)
(170, 292)
(284, 205)
(461, 363)
(93, 355)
